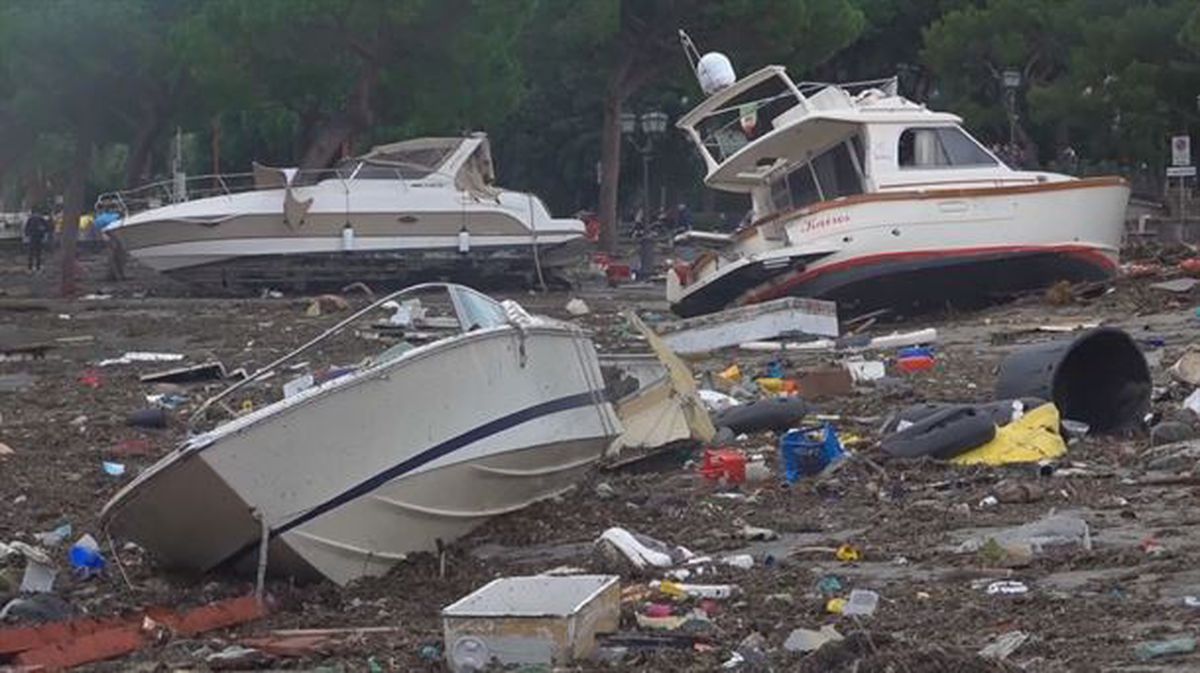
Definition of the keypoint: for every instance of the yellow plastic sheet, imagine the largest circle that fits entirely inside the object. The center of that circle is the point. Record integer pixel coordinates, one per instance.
(1032, 438)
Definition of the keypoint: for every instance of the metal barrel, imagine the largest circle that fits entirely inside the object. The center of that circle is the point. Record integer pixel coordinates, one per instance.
(1100, 377)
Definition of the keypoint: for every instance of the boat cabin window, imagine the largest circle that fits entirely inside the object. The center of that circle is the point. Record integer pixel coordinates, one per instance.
(830, 175)
(939, 147)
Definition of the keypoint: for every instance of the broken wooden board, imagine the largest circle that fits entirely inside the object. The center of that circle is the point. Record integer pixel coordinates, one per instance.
(788, 316)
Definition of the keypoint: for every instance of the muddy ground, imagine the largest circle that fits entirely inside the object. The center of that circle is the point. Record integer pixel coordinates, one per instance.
(1085, 610)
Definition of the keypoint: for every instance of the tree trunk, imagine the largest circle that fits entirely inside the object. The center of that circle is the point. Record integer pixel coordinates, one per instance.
(610, 171)
(610, 154)
(328, 140)
(138, 164)
(72, 211)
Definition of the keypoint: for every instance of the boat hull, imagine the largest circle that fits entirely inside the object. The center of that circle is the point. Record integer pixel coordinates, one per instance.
(351, 476)
(245, 241)
(929, 251)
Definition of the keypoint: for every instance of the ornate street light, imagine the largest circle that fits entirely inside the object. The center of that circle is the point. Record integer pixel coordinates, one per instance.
(653, 124)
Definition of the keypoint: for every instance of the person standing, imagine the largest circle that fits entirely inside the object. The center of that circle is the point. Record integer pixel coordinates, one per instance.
(37, 228)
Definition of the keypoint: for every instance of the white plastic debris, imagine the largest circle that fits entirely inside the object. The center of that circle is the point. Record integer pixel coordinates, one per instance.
(137, 356)
(716, 401)
(1192, 402)
(578, 307)
(865, 370)
(862, 603)
(1007, 588)
(808, 640)
(1004, 645)
(642, 551)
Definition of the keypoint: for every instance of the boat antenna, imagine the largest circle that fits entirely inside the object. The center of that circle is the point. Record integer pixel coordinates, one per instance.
(689, 49)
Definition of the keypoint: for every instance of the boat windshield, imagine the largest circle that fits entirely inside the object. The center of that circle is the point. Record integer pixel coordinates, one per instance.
(748, 116)
(476, 310)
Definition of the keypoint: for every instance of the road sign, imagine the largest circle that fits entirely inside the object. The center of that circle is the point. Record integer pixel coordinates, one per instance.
(1181, 171)
(1181, 150)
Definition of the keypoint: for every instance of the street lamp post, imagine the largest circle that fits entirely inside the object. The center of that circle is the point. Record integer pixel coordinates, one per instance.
(652, 124)
(1011, 79)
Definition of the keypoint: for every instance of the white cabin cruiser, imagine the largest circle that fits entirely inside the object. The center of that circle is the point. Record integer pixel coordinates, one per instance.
(415, 447)
(422, 209)
(864, 197)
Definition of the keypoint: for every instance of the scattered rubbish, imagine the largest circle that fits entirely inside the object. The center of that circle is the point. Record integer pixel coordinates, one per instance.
(666, 409)
(895, 340)
(641, 551)
(1030, 439)
(236, 657)
(778, 413)
(1191, 601)
(137, 356)
(90, 378)
(817, 383)
(1187, 368)
(209, 371)
(39, 576)
(1055, 530)
(805, 455)
(1176, 286)
(55, 537)
(835, 606)
(829, 585)
(1192, 402)
(915, 359)
(862, 603)
(578, 307)
(531, 620)
(863, 371)
(1004, 645)
(6, 450)
(65, 644)
(1008, 491)
(1164, 648)
(751, 652)
(155, 417)
(85, 556)
(113, 469)
(749, 532)
(848, 553)
(167, 401)
(326, 303)
(717, 402)
(1075, 429)
(1100, 378)
(780, 317)
(136, 446)
(808, 640)
(724, 465)
(679, 590)
(943, 434)
(1007, 588)
(696, 619)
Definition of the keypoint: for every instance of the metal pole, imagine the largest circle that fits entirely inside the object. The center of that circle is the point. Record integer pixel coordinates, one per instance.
(646, 181)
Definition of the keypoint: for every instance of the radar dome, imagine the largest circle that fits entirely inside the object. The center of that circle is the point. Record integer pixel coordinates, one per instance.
(715, 72)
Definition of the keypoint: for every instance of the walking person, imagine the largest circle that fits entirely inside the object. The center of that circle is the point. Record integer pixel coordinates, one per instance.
(37, 228)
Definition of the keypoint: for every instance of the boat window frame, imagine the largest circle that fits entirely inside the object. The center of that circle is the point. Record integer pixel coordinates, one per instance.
(459, 296)
(938, 130)
(853, 153)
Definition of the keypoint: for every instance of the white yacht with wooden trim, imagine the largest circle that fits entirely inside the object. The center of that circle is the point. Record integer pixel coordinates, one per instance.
(872, 200)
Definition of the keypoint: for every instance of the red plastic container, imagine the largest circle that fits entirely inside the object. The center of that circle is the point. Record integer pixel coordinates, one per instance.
(724, 464)
(918, 363)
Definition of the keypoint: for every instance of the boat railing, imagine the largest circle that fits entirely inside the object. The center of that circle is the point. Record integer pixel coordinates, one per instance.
(182, 188)
(462, 322)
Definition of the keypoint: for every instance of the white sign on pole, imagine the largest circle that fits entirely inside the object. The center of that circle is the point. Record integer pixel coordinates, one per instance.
(1181, 171)
(1181, 150)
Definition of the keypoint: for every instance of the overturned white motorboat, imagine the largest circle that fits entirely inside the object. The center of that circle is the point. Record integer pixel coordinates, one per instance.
(864, 197)
(417, 210)
(413, 448)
